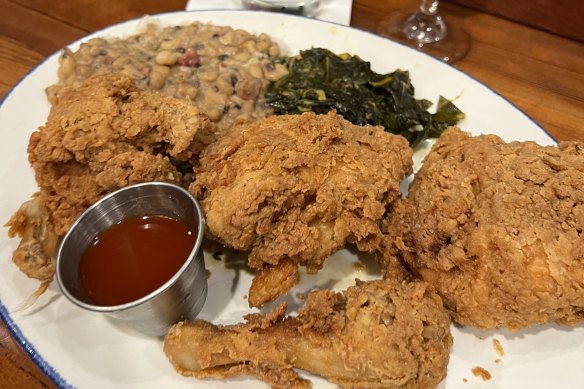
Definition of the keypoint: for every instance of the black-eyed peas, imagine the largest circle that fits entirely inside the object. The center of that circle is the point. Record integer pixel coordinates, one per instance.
(221, 69)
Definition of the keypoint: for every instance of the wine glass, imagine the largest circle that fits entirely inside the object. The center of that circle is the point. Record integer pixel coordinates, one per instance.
(427, 31)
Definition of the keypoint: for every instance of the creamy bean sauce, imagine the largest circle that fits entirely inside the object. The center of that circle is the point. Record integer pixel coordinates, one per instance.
(222, 70)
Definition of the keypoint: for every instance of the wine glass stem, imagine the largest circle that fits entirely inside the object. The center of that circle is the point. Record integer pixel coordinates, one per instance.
(429, 7)
(426, 26)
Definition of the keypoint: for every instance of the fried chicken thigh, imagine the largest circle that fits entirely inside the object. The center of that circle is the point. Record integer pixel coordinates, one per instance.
(99, 137)
(294, 189)
(497, 229)
(378, 334)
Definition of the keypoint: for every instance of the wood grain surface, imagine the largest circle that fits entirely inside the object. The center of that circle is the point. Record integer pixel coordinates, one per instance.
(562, 17)
(540, 72)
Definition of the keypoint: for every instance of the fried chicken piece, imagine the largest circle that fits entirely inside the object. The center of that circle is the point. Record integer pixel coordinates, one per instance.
(33, 256)
(496, 228)
(377, 334)
(99, 137)
(294, 189)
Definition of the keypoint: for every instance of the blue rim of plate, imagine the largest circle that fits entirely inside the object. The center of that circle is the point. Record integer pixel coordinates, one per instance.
(28, 348)
(31, 352)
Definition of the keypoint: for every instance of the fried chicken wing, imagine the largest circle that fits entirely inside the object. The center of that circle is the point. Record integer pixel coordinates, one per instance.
(99, 137)
(378, 334)
(294, 189)
(497, 229)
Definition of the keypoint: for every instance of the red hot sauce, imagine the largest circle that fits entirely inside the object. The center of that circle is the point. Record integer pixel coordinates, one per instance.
(133, 258)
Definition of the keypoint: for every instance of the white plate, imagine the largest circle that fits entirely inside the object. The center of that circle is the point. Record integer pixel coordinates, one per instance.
(82, 349)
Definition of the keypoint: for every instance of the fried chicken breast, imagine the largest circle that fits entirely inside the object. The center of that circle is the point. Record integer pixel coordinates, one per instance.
(496, 228)
(99, 137)
(294, 189)
(378, 334)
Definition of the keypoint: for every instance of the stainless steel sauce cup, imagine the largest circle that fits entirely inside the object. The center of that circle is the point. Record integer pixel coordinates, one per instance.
(181, 297)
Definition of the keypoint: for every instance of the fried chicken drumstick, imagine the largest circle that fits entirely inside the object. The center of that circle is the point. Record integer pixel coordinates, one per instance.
(99, 137)
(378, 334)
(496, 228)
(294, 189)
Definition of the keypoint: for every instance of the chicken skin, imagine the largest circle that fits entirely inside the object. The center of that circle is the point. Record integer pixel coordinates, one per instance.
(294, 189)
(99, 137)
(378, 334)
(496, 228)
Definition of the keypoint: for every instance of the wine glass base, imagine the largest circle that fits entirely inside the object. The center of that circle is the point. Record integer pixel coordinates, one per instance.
(450, 49)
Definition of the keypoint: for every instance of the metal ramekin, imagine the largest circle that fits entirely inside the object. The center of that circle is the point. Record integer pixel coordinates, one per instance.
(181, 297)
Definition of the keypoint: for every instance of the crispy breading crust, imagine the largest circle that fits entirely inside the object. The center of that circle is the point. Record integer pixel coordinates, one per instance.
(99, 137)
(299, 187)
(497, 228)
(105, 135)
(380, 334)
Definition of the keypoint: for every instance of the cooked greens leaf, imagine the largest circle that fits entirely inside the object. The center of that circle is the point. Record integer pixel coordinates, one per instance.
(447, 114)
(320, 81)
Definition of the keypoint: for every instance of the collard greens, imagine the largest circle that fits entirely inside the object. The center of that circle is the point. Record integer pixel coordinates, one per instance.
(320, 81)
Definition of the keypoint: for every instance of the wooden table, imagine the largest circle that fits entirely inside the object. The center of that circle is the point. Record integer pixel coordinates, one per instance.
(541, 73)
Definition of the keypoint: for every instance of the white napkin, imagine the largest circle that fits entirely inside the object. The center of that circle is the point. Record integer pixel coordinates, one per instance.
(336, 11)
